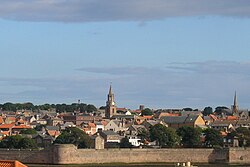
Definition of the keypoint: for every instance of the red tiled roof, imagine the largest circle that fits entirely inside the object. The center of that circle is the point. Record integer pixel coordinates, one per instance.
(1, 120)
(11, 118)
(232, 118)
(136, 111)
(21, 127)
(6, 126)
(53, 133)
(104, 122)
(92, 125)
(213, 117)
(5, 133)
(147, 116)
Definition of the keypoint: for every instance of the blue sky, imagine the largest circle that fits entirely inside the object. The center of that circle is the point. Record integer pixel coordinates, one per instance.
(160, 53)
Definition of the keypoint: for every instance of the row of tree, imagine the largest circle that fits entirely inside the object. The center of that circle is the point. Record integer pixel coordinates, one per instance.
(81, 107)
(205, 112)
(182, 137)
(18, 142)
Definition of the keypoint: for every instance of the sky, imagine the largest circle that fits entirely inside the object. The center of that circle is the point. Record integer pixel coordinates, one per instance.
(159, 53)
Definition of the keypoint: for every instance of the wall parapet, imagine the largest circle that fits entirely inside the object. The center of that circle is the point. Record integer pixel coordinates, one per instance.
(69, 154)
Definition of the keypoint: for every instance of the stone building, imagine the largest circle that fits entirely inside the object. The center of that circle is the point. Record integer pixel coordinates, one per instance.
(111, 108)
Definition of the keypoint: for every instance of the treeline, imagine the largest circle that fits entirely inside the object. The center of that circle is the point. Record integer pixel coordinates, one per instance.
(81, 107)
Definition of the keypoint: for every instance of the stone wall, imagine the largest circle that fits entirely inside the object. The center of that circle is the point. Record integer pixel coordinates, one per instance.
(26, 156)
(69, 154)
(239, 155)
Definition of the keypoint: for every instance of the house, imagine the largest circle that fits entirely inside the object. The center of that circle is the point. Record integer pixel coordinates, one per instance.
(43, 140)
(134, 140)
(187, 113)
(189, 120)
(54, 121)
(164, 114)
(30, 119)
(98, 141)
(210, 119)
(10, 119)
(90, 128)
(42, 121)
(110, 136)
(53, 131)
(99, 126)
(242, 123)
(80, 119)
(135, 129)
(6, 129)
(116, 126)
(16, 129)
(148, 123)
(66, 125)
(123, 117)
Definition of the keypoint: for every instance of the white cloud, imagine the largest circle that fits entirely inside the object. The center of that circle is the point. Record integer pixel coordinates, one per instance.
(118, 10)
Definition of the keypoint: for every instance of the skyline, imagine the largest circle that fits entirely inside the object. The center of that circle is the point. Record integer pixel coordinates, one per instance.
(160, 53)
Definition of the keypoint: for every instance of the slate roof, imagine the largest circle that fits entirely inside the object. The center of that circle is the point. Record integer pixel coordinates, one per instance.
(109, 133)
(180, 119)
(123, 117)
(53, 128)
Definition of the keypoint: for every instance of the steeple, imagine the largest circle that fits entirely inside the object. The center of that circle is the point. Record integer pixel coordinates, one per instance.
(110, 104)
(110, 89)
(235, 106)
(235, 99)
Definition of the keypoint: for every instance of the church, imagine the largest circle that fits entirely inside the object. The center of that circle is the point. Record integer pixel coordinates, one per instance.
(111, 108)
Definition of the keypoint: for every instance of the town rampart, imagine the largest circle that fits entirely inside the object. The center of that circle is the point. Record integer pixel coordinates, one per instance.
(239, 155)
(26, 156)
(69, 154)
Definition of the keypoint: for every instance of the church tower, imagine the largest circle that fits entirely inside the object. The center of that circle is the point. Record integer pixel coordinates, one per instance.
(110, 104)
(235, 107)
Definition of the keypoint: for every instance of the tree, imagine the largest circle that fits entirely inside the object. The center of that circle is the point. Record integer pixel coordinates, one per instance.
(187, 109)
(90, 108)
(40, 127)
(28, 131)
(144, 135)
(27, 143)
(243, 135)
(190, 137)
(11, 141)
(166, 137)
(220, 109)
(74, 136)
(146, 111)
(9, 107)
(125, 143)
(207, 111)
(213, 138)
(18, 142)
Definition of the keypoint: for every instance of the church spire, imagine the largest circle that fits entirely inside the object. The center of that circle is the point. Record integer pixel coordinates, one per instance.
(235, 99)
(235, 106)
(110, 89)
(110, 104)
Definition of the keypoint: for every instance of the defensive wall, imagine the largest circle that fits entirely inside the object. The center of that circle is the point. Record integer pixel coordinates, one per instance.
(69, 154)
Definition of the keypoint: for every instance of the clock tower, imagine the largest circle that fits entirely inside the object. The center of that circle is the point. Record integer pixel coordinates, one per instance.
(110, 104)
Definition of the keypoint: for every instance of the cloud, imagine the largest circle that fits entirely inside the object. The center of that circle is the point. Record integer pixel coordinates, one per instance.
(122, 70)
(177, 85)
(114, 10)
(215, 67)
